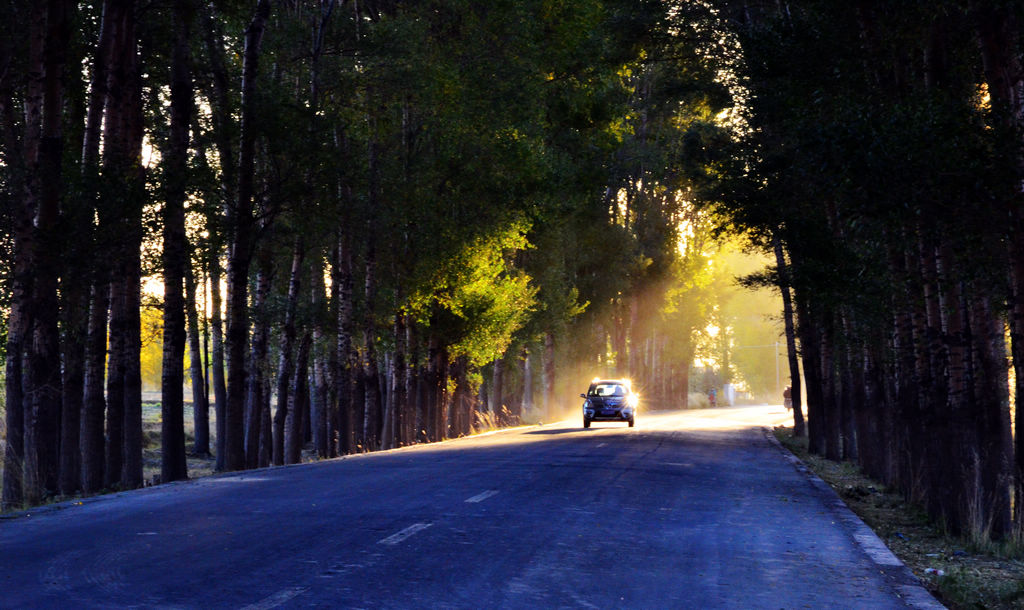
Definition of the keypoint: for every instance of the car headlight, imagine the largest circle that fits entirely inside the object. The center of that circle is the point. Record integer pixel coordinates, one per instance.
(632, 401)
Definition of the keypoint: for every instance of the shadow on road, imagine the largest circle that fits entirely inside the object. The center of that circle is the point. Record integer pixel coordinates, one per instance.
(554, 431)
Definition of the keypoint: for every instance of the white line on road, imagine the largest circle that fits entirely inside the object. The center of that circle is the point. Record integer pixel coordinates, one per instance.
(483, 496)
(394, 539)
(277, 599)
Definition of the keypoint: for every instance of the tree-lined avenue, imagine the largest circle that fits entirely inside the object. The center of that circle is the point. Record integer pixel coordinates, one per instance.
(688, 509)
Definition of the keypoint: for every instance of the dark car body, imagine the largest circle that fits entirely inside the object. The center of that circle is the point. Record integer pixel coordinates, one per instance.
(609, 400)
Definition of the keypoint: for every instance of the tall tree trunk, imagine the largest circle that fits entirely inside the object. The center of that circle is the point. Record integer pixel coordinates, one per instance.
(200, 392)
(372, 414)
(259, 363)
(1000, 43)
(42, 428)
(131, 439)
(830, 404)
(173, 464)
(397, 396)
(991, 405)
(809, 342)
(298, 403)
(240, 224)
(791, 352)
(93, 440)
(220, 101)
(344, 378)
(319, 401)
(18, 316)
(75, 309)
(287, 360)
(77, 217)
(217, 372)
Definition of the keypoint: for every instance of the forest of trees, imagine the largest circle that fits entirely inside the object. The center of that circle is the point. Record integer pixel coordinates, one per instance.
(378, 223)
(374, 223)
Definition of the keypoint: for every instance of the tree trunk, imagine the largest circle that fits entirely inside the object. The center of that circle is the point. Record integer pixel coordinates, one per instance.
(93, 441)
(240, 223)
(42, 427)
(173, 464)
(217, 379)
(397, 397)
(200, 393)
(259, 364)
(548, 373)
(528, 383)
(298, 403)
(131, 453)
(344, 377)
(991, 406)
(1000, 43)
(791, 352)
(319, 411)
(220, 101)
(497, 404)
(432, 404)
(287, 360)
(18, 324)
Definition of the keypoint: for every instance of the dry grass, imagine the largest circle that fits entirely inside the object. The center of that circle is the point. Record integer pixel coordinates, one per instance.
(960, 574)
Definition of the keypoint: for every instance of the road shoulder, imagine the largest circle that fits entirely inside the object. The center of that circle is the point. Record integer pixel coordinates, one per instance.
(904, 581)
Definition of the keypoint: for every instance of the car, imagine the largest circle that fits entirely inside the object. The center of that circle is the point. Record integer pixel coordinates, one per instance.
(610, 400)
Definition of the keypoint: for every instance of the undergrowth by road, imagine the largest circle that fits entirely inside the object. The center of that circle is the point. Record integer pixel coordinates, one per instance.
(961, 574)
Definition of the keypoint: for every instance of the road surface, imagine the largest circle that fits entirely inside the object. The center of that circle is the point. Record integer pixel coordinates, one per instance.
(692, 509)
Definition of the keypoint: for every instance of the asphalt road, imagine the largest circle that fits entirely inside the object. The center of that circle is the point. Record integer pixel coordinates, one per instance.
(693, 509)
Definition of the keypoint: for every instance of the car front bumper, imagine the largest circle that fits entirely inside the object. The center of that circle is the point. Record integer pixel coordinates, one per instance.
(609, 414)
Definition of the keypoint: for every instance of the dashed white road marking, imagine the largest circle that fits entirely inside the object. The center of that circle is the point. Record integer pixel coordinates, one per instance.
(394, 539)
(277, 599)
(482, 496)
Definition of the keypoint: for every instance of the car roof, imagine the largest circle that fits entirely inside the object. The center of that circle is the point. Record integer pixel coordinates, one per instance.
(610, 382)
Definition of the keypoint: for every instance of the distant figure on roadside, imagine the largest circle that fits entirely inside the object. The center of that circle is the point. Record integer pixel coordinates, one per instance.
(787, 397)
(712, 396)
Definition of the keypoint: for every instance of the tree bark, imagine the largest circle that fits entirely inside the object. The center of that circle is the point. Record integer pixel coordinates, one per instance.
(259, 364)
(791, 352)
(287, 359)
(223, 129)
(344, 377)
(240, 223)
(43, 426)
(173, 464)
(298, 407)
(200, 392)
(1000, 44)
(93, 441)
(18, 318)
(217, 379)
(497, 402)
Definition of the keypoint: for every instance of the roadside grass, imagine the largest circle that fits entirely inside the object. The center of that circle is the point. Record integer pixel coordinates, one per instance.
(962, 574)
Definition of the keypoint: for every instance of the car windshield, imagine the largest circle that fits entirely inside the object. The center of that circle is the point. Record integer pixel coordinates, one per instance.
(608, 389)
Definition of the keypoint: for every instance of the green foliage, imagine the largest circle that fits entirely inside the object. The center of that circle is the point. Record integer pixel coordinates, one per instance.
(477, 300)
